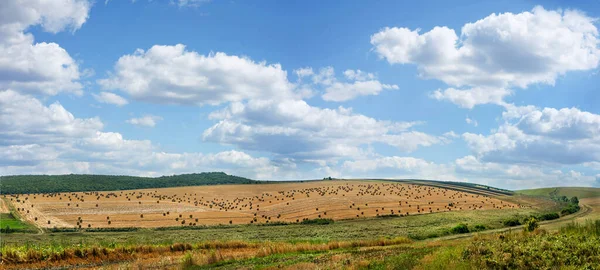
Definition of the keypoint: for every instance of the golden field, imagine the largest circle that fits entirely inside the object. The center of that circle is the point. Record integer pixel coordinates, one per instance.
(244, 204)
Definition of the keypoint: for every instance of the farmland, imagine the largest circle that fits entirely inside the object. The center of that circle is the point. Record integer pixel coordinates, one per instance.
(329, 223)
(246, 204)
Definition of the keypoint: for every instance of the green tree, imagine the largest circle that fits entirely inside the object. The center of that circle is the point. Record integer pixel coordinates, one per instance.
(574, 200)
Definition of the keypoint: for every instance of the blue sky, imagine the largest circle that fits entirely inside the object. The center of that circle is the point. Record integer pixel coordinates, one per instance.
(497, 92)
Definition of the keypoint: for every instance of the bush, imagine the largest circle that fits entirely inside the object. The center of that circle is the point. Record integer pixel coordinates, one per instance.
(318, 221)
(479, 227)
(574, 200)
(575, 247)
(548, 216)
(572, 208)
(460, 228)
(512, 222)
(531, 224)
(6, 229)
(388, 216)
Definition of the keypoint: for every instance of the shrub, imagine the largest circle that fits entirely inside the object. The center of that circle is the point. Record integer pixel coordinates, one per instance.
(511, 222)
(479, 227)
(6, 229)
(318, 221)
(548, 216)
(574, 200)
(531, 224)
(460, 228)
(388, 216)
(572, 208)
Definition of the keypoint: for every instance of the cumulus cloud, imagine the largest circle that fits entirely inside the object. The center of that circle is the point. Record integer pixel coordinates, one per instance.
(145, 121)
(358, 83)
(217, 78)
(468, 168)
(265, 111)
(43, 67)
(110, 98)
(497, 52)
(471, 97)
(566, 123)
(173, 75)
(541, 136)
(519, 176)
(25, 120)
(36, 138)
(294, 129)
(399, 167)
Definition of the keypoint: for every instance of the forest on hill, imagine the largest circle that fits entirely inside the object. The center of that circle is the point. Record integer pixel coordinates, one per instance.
(19, 184)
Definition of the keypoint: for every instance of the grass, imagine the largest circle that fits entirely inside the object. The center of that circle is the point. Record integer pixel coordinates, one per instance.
(414, 227)
(573, 246)
(212, 252)
(9, 224)
(580, 192)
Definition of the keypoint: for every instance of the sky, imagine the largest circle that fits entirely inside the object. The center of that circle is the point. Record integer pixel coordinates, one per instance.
(503, 93)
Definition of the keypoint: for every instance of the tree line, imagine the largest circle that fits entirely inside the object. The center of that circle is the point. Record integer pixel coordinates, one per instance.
(20, 184)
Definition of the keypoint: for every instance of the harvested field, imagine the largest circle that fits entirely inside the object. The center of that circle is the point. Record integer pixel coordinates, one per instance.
(3, 207)
(244, 204)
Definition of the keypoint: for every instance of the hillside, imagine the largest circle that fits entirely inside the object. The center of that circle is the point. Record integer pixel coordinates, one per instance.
(20, 184)
(580, 192)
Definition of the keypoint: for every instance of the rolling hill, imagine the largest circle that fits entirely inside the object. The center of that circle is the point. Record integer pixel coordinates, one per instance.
(580, 192)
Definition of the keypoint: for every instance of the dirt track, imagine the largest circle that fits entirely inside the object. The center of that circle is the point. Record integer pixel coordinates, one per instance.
(587, 212)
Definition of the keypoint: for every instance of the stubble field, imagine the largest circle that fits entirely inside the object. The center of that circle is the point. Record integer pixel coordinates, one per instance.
(245, 204)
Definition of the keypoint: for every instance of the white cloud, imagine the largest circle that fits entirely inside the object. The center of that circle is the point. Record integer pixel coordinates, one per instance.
(359, 83)
(35, 138)
(534, 136)
(25, 120)
(410, 165)
(468, 98)
(194, 79)
(110, 98)
(53, 16)
(519, 176)
(468, 169)
(172, 75)
(294, 129)
(497, 52)
(189, 3)
(347, 91)
(451, 134)
(358, 75)
(566, 123)
(145, 121)
(265, 110)
(471, 121)
(43, 67)
(304, 72)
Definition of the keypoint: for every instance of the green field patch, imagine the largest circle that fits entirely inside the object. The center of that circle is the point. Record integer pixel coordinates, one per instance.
(10, 224)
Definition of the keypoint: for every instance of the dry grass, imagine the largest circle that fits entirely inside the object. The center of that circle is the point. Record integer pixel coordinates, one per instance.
(197, 254)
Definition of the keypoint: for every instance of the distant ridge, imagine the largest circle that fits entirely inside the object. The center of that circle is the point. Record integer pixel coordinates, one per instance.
(580, 192)
(19, 184)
